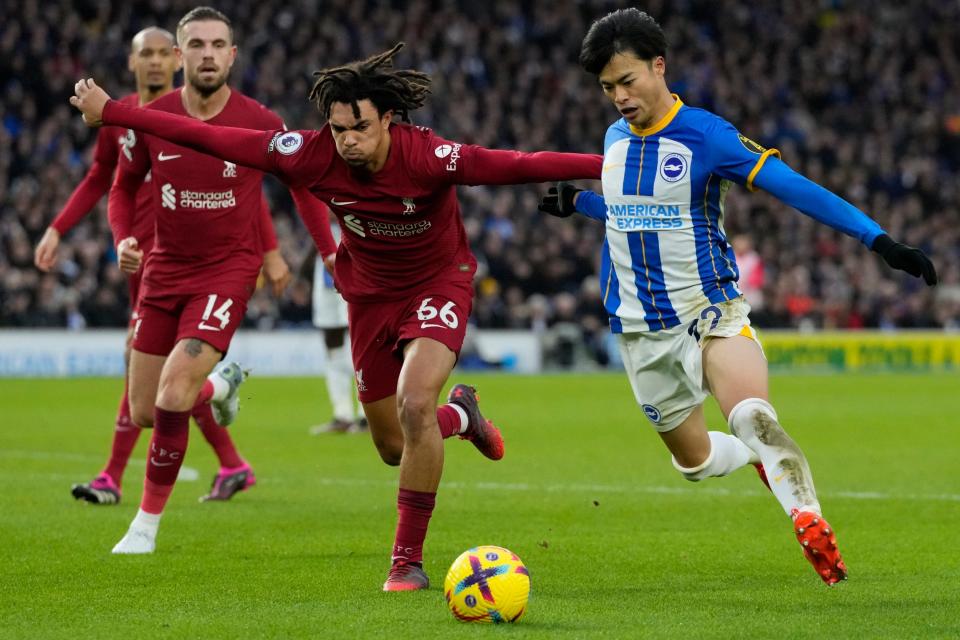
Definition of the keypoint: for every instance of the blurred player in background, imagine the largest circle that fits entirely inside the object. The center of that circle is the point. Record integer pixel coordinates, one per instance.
(404, 264)
(153, 63)
(330, 316)
(670, 279)
(210, 219)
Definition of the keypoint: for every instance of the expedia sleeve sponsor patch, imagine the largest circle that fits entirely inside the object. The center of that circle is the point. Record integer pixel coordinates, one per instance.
(750, 145)
(273, 142)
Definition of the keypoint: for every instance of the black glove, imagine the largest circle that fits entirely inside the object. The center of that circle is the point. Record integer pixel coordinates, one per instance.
(906, 258)
(559, 200)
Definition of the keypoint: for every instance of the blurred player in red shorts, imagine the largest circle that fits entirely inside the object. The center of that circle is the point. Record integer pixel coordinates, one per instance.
(203, 267)
(404, 265)
(153, 64)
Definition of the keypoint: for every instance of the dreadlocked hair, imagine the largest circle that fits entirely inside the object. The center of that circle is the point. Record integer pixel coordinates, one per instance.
(374, 79)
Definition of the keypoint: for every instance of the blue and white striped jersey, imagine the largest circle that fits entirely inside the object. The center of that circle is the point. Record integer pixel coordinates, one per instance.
(666, 255)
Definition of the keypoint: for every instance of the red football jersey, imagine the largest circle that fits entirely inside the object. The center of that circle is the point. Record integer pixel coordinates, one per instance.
(111, 142)
(401, 226)
(208, 211)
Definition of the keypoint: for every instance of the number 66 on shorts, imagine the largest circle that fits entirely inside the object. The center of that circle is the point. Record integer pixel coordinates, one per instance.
(379, 331)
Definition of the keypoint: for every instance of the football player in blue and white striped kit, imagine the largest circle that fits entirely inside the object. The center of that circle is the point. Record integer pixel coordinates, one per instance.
(669, 277)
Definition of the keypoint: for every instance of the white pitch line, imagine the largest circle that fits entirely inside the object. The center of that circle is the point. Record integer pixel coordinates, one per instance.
(650, 489)
(189, 474)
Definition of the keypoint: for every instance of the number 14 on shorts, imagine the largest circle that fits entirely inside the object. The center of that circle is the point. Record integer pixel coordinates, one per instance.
(221, 314)
(428, 313)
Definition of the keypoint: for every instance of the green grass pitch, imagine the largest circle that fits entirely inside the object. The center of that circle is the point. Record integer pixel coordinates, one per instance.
(618, 545)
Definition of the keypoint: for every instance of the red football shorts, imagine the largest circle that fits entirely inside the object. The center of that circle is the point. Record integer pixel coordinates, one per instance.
(380, 330)
(164, 320)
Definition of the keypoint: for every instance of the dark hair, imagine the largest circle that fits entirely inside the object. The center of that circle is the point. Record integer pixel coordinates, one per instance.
(373, 79)
(620, 31)
(203, 13)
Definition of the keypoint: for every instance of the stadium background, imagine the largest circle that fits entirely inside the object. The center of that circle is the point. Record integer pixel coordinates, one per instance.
(854, 100)
(863, 96)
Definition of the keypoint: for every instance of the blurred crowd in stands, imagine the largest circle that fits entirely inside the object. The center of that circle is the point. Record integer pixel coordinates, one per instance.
(862, 97)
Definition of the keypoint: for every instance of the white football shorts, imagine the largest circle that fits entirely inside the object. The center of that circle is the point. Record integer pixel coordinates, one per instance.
(665, 368)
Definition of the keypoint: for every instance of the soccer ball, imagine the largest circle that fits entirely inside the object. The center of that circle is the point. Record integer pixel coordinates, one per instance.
(487, 584)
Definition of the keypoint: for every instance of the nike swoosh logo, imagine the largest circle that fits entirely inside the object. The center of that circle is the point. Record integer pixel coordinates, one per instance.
(342, 204)
(162, 157)
(427, 325)
(154, 462)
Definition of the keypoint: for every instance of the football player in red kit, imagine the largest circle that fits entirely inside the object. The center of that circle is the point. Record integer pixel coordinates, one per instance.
(404, 265)
(153, 63)
(203, 266)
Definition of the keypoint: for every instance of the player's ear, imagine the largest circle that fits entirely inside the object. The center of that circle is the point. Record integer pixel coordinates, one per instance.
(130, 65)
(386, 119)
(659, 66)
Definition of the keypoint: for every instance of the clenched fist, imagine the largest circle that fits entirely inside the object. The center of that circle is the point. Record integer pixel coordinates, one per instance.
(90, 100)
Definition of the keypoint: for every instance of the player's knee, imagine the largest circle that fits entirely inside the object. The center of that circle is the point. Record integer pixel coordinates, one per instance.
(390, 455)
(416, 410)
(142, 415)
(390, 450)
(753, 417)
(178, 392)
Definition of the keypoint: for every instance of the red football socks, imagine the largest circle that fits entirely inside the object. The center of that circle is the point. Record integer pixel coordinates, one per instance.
(206, 392)
(167, 449)
(449, 420)
(125, 436)
(415, 509)
(218, 437)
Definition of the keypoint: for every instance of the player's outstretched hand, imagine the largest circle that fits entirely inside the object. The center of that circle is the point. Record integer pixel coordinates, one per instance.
(45, 255)
(559, 200)
(128, 255)
(906, 258)
(90, 100)
(276, 271)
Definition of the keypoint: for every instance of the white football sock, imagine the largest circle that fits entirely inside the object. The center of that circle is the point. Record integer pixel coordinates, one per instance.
(754, 421)
(727, 454)
(464, 420)
(221, 388)
(141, 537)
(340, 383)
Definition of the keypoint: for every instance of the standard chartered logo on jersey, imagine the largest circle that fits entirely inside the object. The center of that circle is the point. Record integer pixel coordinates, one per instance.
(196, 199)
(385, 229)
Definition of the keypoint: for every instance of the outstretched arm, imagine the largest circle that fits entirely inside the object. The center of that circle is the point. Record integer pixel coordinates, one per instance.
(736, 157)
(825, 206)
(776, 178)
(492, 166)
(565, 199)
(247, 147)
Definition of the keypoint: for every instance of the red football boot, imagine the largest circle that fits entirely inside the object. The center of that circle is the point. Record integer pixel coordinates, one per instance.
(406, 577)
(819, 544)
(480, 431)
